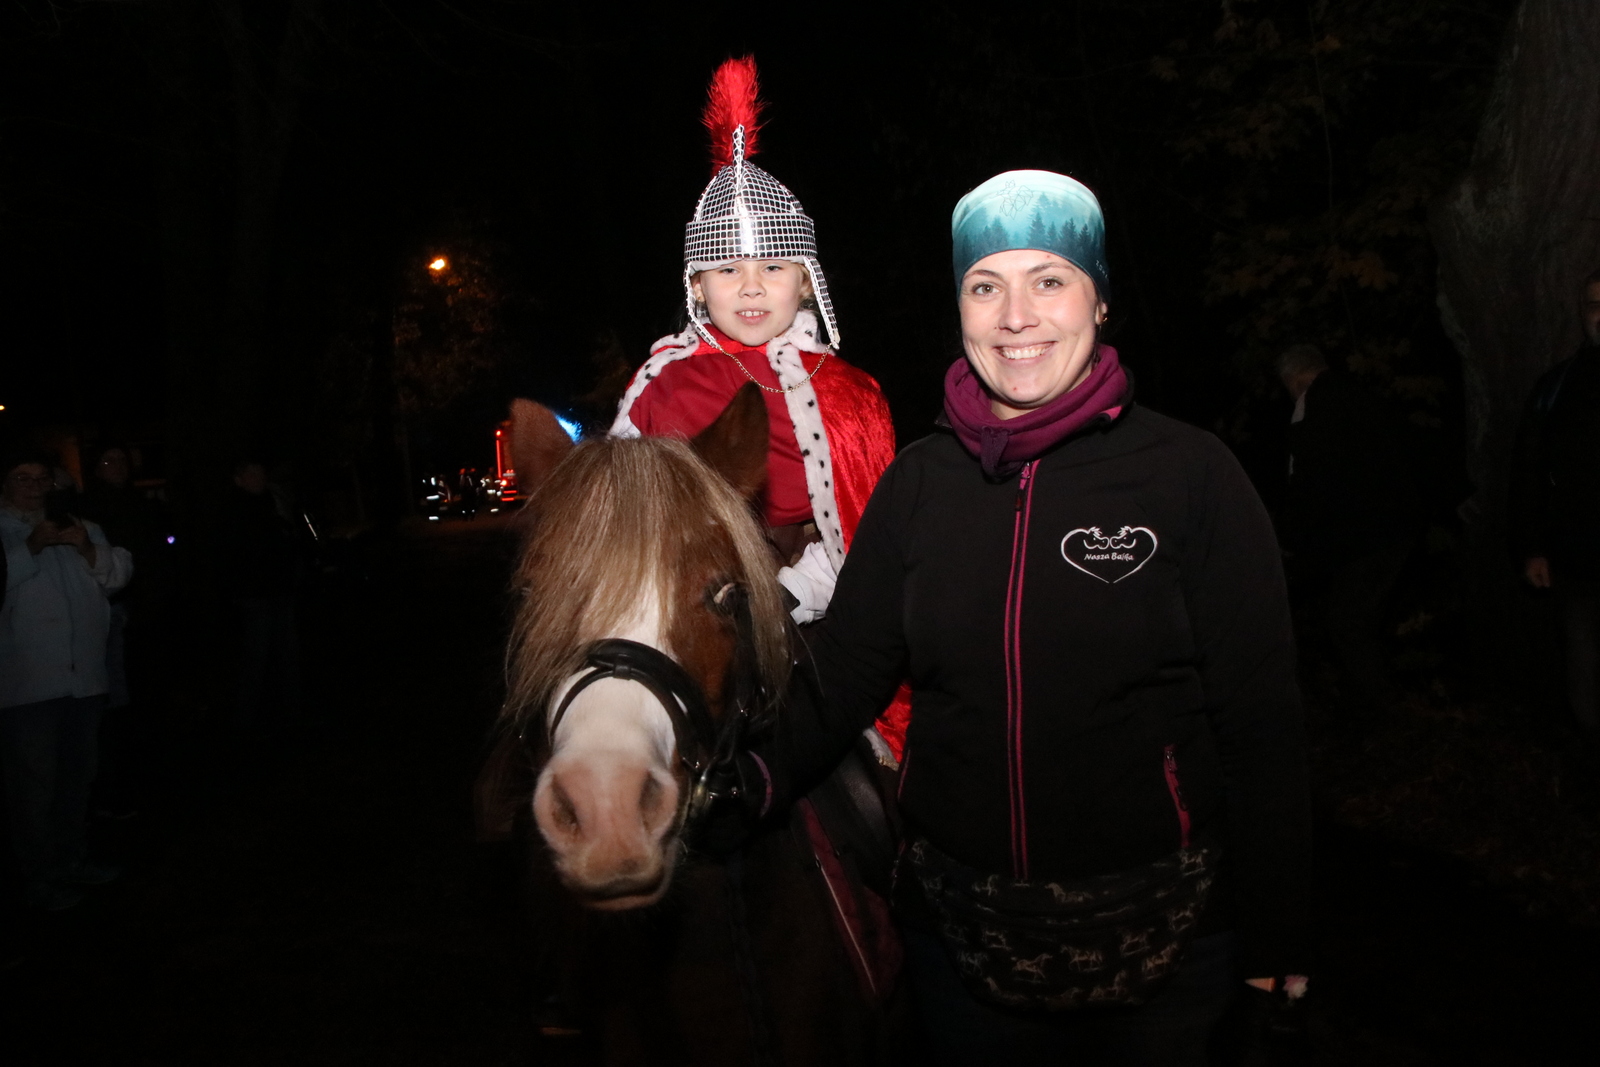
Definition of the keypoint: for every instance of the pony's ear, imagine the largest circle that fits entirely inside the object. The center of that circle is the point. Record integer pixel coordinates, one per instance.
(538, 443)
(736, 443)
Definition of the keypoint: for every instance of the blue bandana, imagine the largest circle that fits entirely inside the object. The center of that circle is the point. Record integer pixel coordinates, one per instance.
(1032, 209)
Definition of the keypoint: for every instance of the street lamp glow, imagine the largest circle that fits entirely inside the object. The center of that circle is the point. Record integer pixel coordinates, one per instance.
(439, 264)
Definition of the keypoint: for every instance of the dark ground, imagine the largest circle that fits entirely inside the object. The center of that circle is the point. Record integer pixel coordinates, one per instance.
(323, 902)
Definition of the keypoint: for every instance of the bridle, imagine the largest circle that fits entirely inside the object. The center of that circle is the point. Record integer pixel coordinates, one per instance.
(706, 747)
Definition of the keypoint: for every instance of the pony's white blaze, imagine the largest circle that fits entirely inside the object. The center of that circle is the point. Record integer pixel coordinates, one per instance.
(607, 800)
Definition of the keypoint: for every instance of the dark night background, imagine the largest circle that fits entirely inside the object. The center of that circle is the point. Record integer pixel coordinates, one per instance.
(242, 201)
(216, 220)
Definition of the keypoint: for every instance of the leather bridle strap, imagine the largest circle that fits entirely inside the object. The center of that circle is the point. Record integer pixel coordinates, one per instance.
(707, 748)
(695, 732)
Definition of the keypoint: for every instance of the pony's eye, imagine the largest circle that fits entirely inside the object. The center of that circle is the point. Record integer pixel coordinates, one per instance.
(723, 597)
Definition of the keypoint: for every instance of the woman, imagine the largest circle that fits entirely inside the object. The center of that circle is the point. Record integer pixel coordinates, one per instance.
(1088, 600)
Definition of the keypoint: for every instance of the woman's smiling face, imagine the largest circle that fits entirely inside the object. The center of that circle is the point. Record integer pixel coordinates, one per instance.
(1028, 323)
(753, 300)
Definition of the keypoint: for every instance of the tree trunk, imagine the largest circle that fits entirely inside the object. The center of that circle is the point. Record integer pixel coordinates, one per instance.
(186, 179)
(220, 254)
(269, 84)
(1515, 237)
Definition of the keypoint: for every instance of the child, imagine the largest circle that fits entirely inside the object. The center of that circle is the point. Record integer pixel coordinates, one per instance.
(755, 292)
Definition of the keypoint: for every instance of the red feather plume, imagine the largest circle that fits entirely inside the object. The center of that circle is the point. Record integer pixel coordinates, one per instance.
(732, 103)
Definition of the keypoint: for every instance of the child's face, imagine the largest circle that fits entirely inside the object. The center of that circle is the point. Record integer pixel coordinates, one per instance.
(753, 300)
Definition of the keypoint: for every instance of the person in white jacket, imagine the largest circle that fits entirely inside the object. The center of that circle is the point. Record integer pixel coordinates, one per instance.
(53, 681)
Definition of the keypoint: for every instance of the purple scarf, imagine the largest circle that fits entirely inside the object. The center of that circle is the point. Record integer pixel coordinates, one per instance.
(1004, 446)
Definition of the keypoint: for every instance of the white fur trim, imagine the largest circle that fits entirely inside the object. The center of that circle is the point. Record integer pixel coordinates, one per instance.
(805, 417)
(783, 353)
(880, 748)
(667, 350)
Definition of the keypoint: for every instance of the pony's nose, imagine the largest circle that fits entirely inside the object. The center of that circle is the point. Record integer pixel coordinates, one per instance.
(606, 820)
(560, 814)
(655, 809)
(607, 824)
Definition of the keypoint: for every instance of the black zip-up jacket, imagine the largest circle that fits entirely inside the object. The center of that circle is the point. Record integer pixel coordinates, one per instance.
(1101, 661)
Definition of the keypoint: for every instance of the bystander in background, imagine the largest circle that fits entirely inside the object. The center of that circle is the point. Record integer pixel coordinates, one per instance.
(262, 578)
(1555, 505)
(53, 681)
(469, 492)
(132, 521)
(1352, 518)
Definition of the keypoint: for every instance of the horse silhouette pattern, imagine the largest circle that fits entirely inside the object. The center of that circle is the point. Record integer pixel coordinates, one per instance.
(1110, 939)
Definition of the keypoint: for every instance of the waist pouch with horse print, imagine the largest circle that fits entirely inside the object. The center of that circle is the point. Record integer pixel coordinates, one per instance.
(1107, 940)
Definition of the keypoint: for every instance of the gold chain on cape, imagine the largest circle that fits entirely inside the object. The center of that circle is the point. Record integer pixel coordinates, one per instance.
(764, 385)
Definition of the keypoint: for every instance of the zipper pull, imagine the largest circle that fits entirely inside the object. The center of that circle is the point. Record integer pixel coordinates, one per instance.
(1170, 766)
(1171, 761)
(1022, 483)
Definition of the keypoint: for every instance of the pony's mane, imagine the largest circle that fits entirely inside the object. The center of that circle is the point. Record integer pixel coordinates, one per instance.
(615, 515)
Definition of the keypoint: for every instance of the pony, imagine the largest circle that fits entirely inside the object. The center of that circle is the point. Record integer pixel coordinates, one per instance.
(650, 615)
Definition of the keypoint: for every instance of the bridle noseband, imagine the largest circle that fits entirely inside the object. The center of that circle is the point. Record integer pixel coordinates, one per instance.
(630, 661)
(706, 748)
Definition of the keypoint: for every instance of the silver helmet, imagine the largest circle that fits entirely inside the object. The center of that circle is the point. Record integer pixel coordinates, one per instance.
(746, 213)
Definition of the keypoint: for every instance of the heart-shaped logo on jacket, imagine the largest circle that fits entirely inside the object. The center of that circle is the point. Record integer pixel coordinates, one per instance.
(1112, 558)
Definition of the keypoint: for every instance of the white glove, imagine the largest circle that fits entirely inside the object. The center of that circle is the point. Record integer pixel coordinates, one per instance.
(810, 581)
